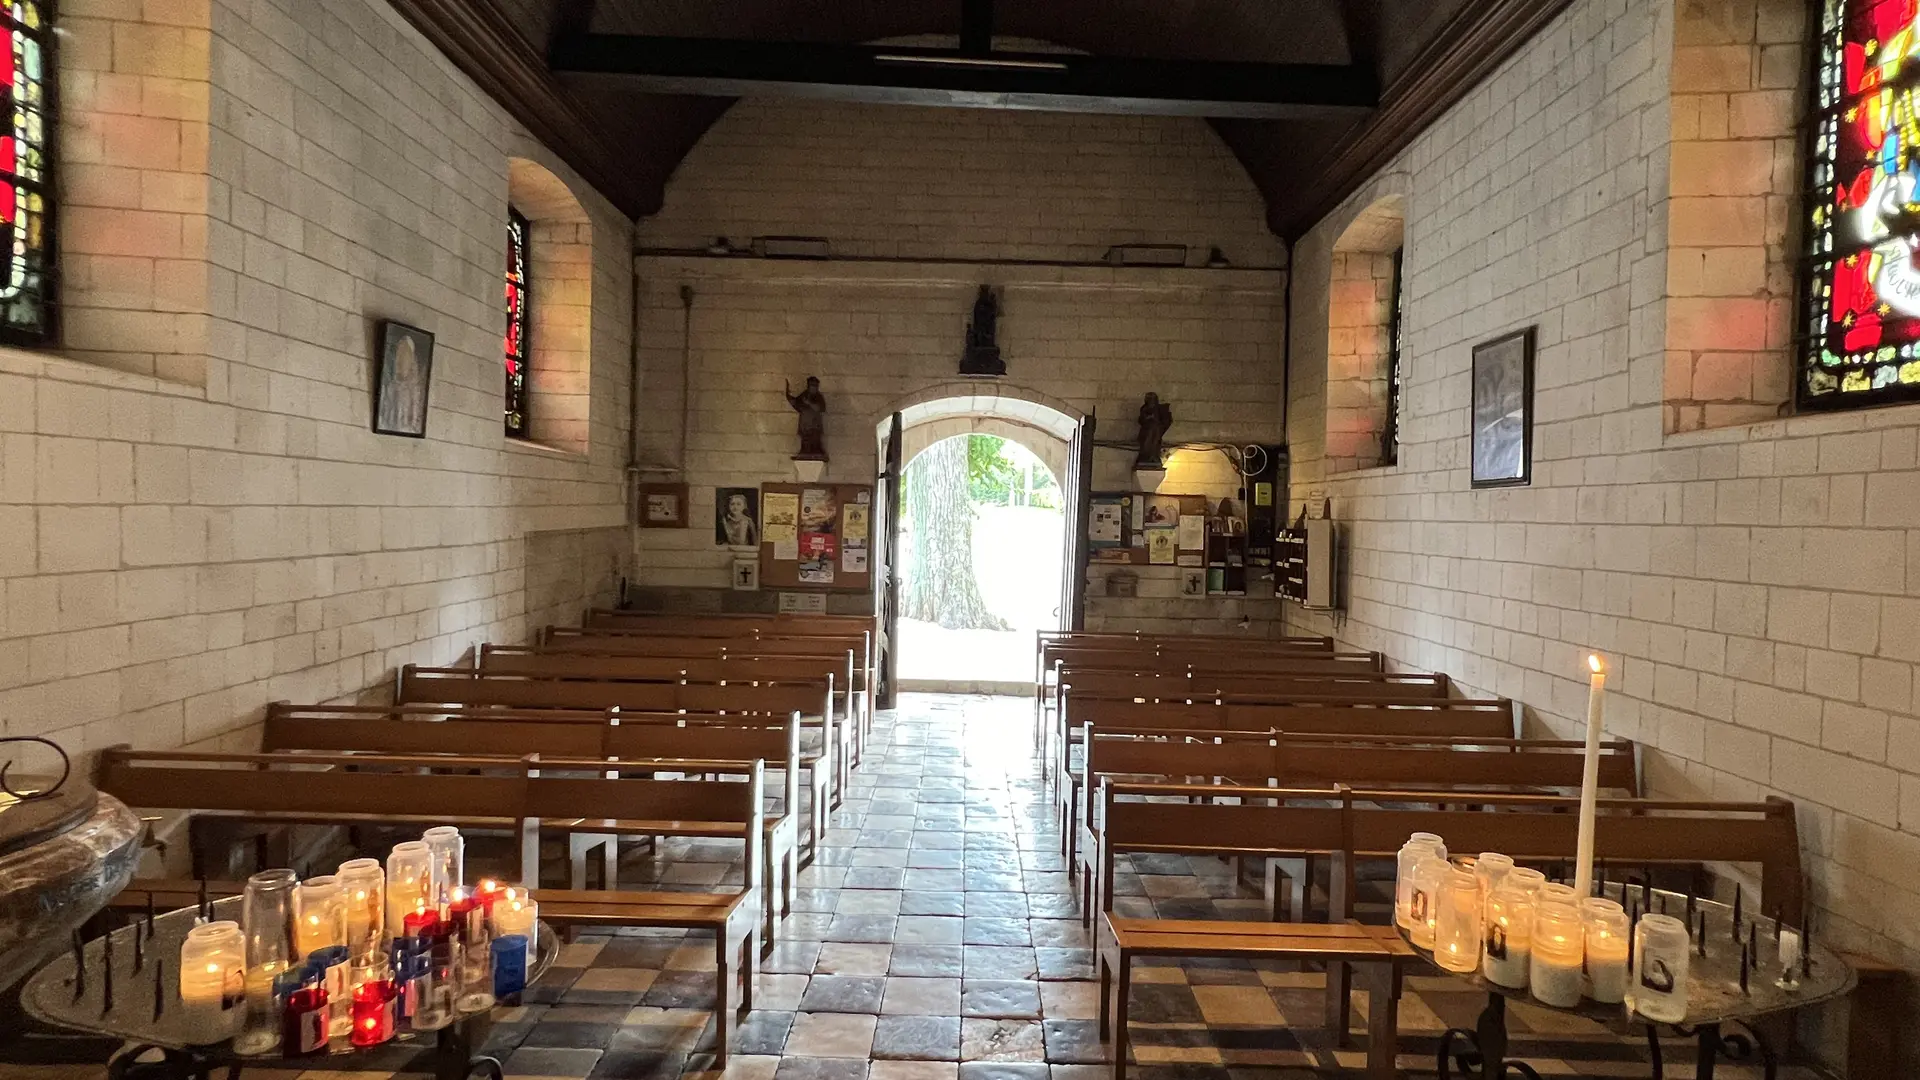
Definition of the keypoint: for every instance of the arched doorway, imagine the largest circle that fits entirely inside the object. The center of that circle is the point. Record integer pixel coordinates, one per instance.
(982, 545)
(1058, 439)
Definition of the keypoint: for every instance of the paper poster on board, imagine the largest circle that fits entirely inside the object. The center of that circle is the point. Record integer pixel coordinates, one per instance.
(1160, 545)
(819, 510)
(1107, 527)
(779, 516)
(1193, 532)
(853, 522)
(853, 559)
(816, 571)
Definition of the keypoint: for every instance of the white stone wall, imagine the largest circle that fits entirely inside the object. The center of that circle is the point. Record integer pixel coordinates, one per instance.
(192, 535)
(922, 189)
(1755, 588)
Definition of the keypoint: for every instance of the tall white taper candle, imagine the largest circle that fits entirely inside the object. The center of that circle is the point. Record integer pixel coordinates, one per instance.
(1590, 780)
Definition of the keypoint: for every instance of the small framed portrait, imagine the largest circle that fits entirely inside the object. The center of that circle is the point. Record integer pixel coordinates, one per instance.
(403, 373)
(663, 506)
(746, 575)
(1502, 414)
(736, 517)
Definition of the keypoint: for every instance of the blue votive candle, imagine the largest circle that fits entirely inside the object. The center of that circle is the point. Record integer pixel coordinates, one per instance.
(509, 968)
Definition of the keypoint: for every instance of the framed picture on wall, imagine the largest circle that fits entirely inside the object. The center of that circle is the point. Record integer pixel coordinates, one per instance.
(1502, 415)
(663, 506)
(403, 373)
(736, 517)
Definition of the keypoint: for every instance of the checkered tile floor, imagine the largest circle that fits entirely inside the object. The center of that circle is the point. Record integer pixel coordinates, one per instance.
(937, 937)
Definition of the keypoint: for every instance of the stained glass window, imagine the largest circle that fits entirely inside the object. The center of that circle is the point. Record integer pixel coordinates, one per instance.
(26, 316)
(1863, 292)
(519, 284)
(1390, 431)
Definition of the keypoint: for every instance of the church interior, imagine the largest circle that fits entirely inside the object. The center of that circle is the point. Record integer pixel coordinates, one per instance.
(911, 540)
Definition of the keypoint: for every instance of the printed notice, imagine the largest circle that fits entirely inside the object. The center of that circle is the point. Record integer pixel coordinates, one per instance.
(853, 522)
(1193, 532)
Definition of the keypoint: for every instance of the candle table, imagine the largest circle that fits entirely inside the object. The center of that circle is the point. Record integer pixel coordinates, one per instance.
(1717, 996)
(140, 1003)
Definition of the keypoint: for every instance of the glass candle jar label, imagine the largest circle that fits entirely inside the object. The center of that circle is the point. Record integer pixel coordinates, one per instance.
(305, 1028)
(1509, 937)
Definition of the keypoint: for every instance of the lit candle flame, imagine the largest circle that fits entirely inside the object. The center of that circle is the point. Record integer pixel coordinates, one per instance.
(1593, 661)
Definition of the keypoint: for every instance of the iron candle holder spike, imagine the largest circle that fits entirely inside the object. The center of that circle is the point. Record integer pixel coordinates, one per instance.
(159, 988)
(1700, 941)
(1753, 941)
(1746, 962)
(1646, 888)
(106, 977)
(1806, 945)
(1736, 911)
(79, 965)
(139, 950)
(206, 911)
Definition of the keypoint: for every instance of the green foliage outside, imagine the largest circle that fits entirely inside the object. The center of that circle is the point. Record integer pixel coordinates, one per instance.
(995, 471)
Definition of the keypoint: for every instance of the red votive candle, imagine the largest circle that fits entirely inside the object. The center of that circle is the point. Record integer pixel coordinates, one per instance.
(303, 1024)
(421, 923)
(373, 1005)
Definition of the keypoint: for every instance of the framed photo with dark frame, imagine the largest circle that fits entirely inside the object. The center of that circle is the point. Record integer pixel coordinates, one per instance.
(1502, 415)
(402, 377)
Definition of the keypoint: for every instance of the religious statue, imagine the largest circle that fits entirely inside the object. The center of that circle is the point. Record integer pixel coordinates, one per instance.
(811, 404)
(1155, 419)
(983, 354)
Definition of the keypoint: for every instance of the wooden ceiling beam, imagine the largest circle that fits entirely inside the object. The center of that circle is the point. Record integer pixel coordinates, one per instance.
(1058, 82)
(1465, 53)
(485, 44)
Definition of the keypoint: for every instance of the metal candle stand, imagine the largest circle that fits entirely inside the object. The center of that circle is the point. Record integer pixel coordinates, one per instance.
(1481, 1053)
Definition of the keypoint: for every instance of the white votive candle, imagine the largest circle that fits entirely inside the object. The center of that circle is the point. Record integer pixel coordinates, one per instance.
(1558, 947)
(1508, 950)
(515, 915)
(1607, 956)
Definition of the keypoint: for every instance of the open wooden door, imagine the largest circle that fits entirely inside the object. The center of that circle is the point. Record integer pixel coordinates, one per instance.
(1078, 495)
(886, 577)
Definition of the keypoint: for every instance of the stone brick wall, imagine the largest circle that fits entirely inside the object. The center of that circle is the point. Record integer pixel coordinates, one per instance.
(1359, 314)
(191, 533)
(1756, 588)
(916, 191)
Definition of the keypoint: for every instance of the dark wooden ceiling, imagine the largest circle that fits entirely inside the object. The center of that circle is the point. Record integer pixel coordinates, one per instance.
(1426, 54)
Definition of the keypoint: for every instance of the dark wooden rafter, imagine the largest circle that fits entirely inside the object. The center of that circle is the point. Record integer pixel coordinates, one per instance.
(485, 44)
(1465, 53)
(921, 76)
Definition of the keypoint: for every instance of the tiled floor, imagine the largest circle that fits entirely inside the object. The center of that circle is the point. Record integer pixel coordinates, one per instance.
(937, 938)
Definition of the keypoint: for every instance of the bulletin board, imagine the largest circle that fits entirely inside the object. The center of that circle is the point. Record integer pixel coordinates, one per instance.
(1149, 530)
(816, 536)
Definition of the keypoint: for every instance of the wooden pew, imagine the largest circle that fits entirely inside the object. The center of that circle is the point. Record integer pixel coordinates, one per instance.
(1462, 766)
(564, 733)
(521, 796)
(1349, 824)
(865, 627)
(373, 729)
(661, 640)
(1311, 715)
(416, 685)
(1130, 650)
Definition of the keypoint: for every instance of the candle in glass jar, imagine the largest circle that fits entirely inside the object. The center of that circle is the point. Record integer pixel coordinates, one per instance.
(1606, 948)
(365, 886)
(319, 915)
(515, 915)
(1492, 869)
(421, 922)
(1456, 922)
(1418, 846)
(213, 975)
(1526, 879)
(1508, 950)
(372, 1012)
(1421, 907)
(1558, 947)
(1658, 988)
(407, 882)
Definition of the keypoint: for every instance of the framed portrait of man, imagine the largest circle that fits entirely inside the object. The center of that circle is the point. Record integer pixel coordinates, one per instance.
(403, 375)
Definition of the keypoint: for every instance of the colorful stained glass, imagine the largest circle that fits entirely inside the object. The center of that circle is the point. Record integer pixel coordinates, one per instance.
(1390, 431)
(519, 283)
(25, 209)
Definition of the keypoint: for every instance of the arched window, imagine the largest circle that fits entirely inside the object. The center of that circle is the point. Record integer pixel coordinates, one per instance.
(1862, 331)
(1365, 409)
(519, 288)
(26, 301)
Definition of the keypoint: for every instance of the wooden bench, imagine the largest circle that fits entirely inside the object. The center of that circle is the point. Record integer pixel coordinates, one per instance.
(1346, 825)
(1452, 718)
(1376, 952)
(725, 915)
(522, 796)
(624, 738)
(811, 697)
(1461, 766)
